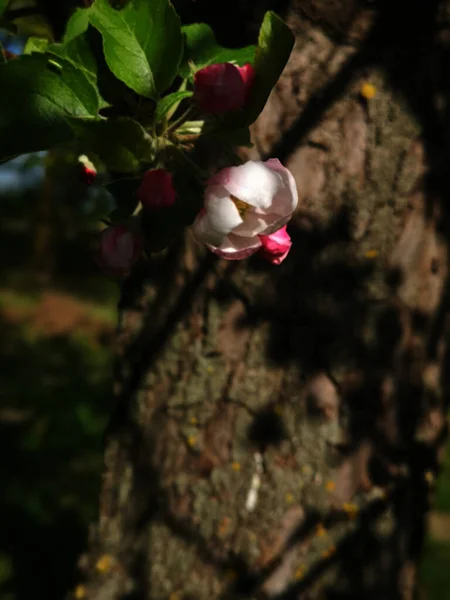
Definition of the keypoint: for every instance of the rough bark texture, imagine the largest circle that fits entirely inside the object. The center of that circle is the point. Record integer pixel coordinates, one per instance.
(321, 384)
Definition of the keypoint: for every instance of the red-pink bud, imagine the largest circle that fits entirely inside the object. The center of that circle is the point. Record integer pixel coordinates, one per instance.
(88, 175)
(120, 248)
(276, 246)
(88, 170)
(247, 73)
(156, 189)
(222, 87)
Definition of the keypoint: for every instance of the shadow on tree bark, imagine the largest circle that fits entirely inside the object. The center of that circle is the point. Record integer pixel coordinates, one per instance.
(333, 369)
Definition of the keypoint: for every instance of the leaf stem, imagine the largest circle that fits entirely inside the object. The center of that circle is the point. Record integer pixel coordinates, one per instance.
(184, 117)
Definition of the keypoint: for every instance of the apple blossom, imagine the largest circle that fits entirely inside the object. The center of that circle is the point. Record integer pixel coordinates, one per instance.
(156, 189)
(275, 247)
(243, 203)
(222, 87)
(120, 248)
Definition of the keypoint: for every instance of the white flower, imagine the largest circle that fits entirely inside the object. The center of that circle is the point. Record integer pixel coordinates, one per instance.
(242, 203)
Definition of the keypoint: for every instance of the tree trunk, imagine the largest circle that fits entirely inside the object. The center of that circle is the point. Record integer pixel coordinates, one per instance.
(277, 428)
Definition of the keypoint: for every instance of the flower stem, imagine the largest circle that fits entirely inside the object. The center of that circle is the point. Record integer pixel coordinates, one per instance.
(184, 117)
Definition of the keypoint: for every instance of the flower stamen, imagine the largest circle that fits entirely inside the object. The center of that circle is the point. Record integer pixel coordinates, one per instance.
(240, 205)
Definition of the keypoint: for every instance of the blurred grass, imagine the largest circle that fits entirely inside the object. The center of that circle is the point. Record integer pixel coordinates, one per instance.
(57, 314)
(54, 407)
(435, 567)
(435, 570)
(442, 499)
(102, 312)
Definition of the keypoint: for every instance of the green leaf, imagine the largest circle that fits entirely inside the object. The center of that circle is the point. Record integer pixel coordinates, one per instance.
(168, 105)
(275, 44)
(120, 143)
(78, 52)
(38, 96)
(35, 44)
(143, 43)
(3, 5)
(202, 49)
(124, 193)
(77, 24)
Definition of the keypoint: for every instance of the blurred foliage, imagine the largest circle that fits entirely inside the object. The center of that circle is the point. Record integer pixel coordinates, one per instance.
(54, 410)
(57, 325)
(442, 499)
(435, 573)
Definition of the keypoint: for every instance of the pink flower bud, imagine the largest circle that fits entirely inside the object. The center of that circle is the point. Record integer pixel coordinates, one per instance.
(88, 175)
(88, 170)
(120, 248)
(156, 189)
(222, 87)
(247, 73)
(276, 246)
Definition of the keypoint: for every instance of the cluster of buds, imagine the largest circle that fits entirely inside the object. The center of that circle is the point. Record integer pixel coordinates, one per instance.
(246, 208)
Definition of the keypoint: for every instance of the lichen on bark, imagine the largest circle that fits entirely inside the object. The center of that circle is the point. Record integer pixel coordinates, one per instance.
(319, 384)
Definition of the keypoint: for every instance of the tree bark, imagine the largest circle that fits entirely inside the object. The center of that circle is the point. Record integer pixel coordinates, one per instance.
(277, 428)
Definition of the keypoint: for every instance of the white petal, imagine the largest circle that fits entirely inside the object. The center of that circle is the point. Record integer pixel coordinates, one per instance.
(222, 212)
(286, 199)
(235, 247)
(274, 223)
(253, 183)
(253, 224)
(204, 232)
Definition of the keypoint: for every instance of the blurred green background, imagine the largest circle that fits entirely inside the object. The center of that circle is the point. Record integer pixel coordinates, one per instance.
(57, 315)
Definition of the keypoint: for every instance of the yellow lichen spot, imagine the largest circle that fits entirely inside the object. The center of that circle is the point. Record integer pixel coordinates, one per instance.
(175, 596)
(289, 498)
(329, 552)
(307, 470)
(224, 526)
(230, 575)
(193, 420)
(429, 477)
(330, 486)
(191, 441)
(320, 530)
(299, 572)
(104, 563)
(368, 90)
(210, 369)
(278, 409)
(236, 466)
(80, 592)
(351, 509)
(371, 253)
